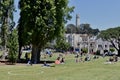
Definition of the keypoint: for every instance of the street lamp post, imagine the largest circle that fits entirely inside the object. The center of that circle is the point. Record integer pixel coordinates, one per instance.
(88, 45)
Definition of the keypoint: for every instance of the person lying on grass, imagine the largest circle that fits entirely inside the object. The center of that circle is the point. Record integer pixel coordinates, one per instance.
(48, 65)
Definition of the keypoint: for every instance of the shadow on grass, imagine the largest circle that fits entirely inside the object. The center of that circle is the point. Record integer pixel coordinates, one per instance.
(40, 62)
(23, 61)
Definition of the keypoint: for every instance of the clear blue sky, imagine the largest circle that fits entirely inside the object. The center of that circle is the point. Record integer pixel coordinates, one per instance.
(101, 14)
(16, 14)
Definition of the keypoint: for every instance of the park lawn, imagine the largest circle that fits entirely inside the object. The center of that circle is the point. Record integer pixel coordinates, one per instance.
(91, 70)
(1, 52)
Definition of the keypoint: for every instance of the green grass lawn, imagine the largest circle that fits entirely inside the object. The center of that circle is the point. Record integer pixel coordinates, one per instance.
(91, 70)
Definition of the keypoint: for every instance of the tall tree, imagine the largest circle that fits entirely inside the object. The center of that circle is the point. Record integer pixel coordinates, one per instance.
(42, 21)
(112, 35)
(6, 19)
(13, 46)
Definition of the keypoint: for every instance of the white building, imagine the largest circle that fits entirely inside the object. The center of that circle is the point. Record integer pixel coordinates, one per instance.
(79, 41)
(85, 41)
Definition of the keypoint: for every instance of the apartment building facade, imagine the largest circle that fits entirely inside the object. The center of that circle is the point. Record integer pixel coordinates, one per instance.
(80, 41)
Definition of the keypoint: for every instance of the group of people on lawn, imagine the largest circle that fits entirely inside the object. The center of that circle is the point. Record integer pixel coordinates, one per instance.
(78, 58)
(59, 60)
(113, 58)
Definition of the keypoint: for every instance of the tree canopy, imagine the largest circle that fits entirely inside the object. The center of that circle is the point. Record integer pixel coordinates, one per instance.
(112, 35)
(71, 28)
(13, 46)
(61, 44)
(82, 29)
(42, 21)
(6, 19)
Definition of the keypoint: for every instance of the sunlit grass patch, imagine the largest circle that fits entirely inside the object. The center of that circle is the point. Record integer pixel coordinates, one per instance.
(90, 70)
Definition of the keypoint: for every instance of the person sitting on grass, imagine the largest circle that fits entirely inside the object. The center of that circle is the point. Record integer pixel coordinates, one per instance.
(110, 61)
(115, 58)
(77, 56)
(62, 60)
(57, 61)
(29, 62)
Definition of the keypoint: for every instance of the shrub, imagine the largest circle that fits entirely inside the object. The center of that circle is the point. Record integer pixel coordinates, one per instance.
(112, 49)
(98, 52)
(85, 50)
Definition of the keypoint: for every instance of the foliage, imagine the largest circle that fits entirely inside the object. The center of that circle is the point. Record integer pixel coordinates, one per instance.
(42, 21)
(6, 19)
(97, 52)
(82, 29)
(84, 50)
(112, 35)
(71, 28)
(13, 47)
(61, 44)
(112, 49)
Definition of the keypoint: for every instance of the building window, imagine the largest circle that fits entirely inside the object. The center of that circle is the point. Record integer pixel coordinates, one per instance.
(99, 45)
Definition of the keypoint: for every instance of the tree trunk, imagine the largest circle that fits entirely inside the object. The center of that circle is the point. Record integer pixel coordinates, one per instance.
(35, 58)
(38, 55)
(119, 52)
(20, 52)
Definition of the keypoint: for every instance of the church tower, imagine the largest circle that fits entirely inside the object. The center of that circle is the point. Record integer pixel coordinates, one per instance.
(77, 20)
